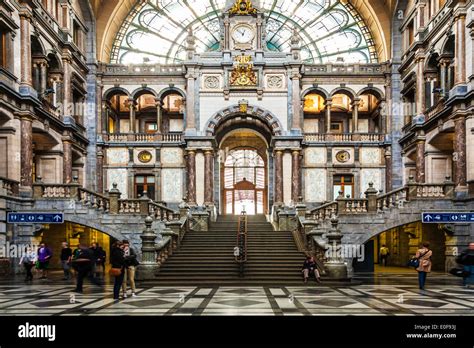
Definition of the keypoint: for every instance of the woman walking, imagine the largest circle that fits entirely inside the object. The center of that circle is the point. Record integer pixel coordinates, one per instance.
(117, 260)
(424, 257)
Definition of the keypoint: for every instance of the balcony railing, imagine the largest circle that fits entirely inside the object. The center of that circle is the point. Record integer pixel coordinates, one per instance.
(175, 137)
(344, 137)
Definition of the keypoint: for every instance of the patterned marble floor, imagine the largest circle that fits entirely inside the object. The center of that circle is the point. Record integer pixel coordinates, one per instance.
(56, 299)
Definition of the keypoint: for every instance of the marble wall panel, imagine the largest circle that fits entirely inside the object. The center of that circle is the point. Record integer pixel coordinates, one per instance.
(171, 156)
(315, 155)
(315, 181)
(117, 156)
(172, 185)
(370, 155)
(119, 177)
(370, 175)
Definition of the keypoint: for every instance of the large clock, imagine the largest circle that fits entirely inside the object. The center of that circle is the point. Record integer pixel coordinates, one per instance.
(243, 34)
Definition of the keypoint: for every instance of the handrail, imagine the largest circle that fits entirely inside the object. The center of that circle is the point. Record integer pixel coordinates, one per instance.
(241, 257)
(161, 212)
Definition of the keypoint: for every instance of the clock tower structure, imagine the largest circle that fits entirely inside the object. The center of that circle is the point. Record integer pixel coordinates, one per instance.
(243, 27)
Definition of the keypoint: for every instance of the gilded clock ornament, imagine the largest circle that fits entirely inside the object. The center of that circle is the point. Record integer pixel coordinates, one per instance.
(243, 7)
(343, 156)
(243, 74)
(145, 156)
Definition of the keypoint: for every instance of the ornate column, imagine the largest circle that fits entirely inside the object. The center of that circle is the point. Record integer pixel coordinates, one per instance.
(459, 156)
(420, 86)
(208, 177)
(43, 76)
(355, 115)
(296, 175)
(25, 49)
(190, 99)
(131, 106)
(420, 159)
(67, 90)
(460, 49)
(278, 177)
(159, 104)
(26, 121)
(100, 171)
(444, 63)
(328, 115)
(67, 158)
(296, 98)
(191, 176)
(388, 169)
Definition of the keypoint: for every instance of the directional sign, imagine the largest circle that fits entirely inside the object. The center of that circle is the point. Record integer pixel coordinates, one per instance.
(35, 218)
(436, 218)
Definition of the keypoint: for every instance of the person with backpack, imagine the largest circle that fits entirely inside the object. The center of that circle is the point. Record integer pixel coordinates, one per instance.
(83, 266)
(129, 271)
(28, 261)
(424, 258)
(466, 259)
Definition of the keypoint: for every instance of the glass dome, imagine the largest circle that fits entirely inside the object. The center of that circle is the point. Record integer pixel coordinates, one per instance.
(156, 30)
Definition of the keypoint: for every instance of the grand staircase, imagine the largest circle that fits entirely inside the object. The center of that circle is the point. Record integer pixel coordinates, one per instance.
(206, 258)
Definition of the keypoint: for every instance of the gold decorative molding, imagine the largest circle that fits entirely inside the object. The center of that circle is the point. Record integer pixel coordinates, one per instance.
(243, 74)
(243, 7)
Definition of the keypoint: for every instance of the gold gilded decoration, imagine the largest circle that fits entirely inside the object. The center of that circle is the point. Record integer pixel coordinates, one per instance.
(145, 157)
(343, 156)
(243, 74)
(243, 7)
(243, 106)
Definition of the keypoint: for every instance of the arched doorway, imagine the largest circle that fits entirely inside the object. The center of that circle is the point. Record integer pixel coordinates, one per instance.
(244, 173)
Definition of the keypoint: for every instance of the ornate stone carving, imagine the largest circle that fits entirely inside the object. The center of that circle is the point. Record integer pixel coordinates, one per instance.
(212, 82)
(275, 81)
(243, 7)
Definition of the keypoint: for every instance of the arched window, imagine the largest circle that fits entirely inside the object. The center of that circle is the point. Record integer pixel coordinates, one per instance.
(156, 30)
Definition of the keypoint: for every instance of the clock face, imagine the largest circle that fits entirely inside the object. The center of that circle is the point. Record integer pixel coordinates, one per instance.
(343, 156)
(243, 34)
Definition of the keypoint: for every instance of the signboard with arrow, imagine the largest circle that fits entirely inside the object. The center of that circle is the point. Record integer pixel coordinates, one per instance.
(35, 218)
(437, 218)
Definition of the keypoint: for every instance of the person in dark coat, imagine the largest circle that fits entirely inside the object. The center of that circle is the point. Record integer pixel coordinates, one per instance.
(467, 260)
(309, 268)
(82, 264)
(117, 260)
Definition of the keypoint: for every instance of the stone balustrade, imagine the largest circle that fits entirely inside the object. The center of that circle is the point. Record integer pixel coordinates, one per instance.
(175, 137)
(323, 212)
(343, 137)
(162, 213)
(94, 200)
(392, 199)
(9, 187)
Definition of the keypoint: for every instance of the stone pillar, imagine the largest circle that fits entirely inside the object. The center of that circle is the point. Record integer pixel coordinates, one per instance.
(278, 177)
(131, 106)
(159, 104)
(296, 99)
(328, 115)
(444, 63)
(67, 90)
(460, 49)
(208, 177)
(459, 156)
(100, 171)
(26, 151)
(148, 265)
(420, 86)
(190, 100)
(296, 176)
(67, 159)
(355, 116)
(43, 77)
(335, 267)
(420, 160)
(191, 176)
(388, 170)
(25, 49)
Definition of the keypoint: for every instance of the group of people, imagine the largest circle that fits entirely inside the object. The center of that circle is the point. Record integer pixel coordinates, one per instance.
(85, 262)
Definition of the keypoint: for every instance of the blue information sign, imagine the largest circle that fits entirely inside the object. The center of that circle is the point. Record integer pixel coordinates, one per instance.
(35, 218)
(436, 218)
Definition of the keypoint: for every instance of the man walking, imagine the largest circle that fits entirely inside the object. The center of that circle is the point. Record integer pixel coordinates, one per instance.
(83, 266)
(384, 253)
(66, 256)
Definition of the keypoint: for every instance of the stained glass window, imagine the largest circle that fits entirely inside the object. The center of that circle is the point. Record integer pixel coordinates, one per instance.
(156, 30)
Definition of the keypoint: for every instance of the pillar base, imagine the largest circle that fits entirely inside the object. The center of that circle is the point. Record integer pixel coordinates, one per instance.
(146, 271)
(336, 271)
(461, 192)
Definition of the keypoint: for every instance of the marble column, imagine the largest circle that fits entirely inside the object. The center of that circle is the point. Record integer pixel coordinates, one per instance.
(444, 63)
(43, 76)
(460, 159)
(100, 171)
(296, 99)
(67, 159)
(420, 86)
(159, 104)
(26, 151)
(328, 115)
(191, 176)
(355, 116)
(131, 106)
(388, 169)
(420, 160)
(296, 175)
(67, 90)
(209, 177)
(460, 49)
(190, 100)
(278, 177)
(25, 49)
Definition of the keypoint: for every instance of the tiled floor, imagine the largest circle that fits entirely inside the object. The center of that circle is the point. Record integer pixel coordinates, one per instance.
(380, 297)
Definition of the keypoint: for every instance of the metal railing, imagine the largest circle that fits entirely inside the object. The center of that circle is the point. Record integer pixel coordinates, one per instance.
(240, 251)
